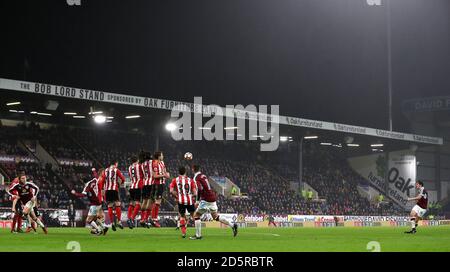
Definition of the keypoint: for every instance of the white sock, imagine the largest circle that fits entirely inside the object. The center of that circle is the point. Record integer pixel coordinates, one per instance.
(100, 224)
(413, 224)
(198, 228)
(40, 223)
(178, 223)
(94, 225)
(224, 221)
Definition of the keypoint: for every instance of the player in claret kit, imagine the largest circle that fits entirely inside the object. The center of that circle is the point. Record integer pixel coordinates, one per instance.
(184, 190)
(136, 174)
(93, 191)
(420, 208)
(207, 204)
(27, 193)
(109, 181)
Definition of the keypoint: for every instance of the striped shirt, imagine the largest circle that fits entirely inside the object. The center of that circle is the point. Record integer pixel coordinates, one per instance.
(136, 173)
(160, 169)
(147, 167)
(185, 188)
(110, 178)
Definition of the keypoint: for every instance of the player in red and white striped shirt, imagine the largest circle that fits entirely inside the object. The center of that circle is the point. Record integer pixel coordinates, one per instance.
(184, 189)
(136, 173)
(159, 175)
(110, 182)
(146, 205)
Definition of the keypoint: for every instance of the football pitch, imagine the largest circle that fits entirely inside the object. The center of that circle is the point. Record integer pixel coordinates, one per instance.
(338, 239)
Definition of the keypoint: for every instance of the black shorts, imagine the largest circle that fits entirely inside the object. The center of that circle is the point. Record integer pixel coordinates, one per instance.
(157, 191)
(146, 191)
(182, 208)
(135, 194)
(112, 196)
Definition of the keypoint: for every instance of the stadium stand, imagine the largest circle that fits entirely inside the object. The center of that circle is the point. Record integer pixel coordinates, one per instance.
(264, 179)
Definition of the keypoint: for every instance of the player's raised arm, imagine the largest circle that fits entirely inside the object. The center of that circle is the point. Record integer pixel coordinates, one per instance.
(80, 195)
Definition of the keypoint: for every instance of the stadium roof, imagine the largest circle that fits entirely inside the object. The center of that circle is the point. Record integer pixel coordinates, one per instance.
(64, 103)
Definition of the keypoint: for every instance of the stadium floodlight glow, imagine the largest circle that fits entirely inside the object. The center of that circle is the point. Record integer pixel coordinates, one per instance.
(79, 117)
(325, 143)
(44, 114)
(310, 137)
(109, 121)
(95, 112)
(109, 117)
(132, 116)
(376, 145)
(229, 128)
(171, 126)
(284, 138)
(99, 119)
(13, 111)
(13, 103)
(70, 113)
(353, 145)
(205, 128)
(33, 112)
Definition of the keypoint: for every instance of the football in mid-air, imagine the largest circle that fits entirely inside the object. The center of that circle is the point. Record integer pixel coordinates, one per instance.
(188, 156)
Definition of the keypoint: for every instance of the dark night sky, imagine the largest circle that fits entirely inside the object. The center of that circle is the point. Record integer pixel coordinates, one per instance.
(318, 59)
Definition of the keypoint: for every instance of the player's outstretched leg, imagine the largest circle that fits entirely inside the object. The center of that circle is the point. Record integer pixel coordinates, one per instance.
(233, 226)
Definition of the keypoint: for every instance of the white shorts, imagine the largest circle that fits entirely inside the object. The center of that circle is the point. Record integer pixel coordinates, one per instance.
(420, 212)
(93, 210)
(206, 207)
(30, 205)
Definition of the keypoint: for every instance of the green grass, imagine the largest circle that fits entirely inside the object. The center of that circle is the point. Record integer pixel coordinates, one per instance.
(250, 239)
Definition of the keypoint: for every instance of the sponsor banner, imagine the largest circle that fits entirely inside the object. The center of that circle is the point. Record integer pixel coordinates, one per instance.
(15, 159)
(440, 103)
(376, 218)
(429, 222)
(402, 176)
(164, 104)
(72, 162)
(315, 218)
(401, 173)
(261, 218)
(366, 224)
(51, 217)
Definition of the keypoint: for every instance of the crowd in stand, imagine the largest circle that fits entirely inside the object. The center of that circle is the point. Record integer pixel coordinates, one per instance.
(265, 181)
